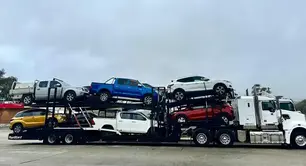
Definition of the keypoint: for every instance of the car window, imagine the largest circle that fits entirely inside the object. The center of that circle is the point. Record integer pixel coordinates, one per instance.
(188, 79)
(138, 117)
(121, 81)
(110, 81)
(53, 84)
(38, 112)
(199, 78)
(126, 116)
(133, 83)
(27, 113)
(19, 114)
(43, 84)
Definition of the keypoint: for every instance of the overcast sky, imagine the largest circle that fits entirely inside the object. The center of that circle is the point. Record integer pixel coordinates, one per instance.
(247, 42)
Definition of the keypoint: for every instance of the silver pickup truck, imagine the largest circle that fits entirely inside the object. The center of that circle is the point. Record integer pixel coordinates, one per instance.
(37, 91)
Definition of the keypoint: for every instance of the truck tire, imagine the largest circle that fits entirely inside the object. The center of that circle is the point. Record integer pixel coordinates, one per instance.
(70, 96)
(225, 138)
(27, 100)
(69, 139)
(202, 137)
(51, 139)
(298, 140)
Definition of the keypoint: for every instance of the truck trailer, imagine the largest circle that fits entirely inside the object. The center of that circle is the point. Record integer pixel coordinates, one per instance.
(257, 120)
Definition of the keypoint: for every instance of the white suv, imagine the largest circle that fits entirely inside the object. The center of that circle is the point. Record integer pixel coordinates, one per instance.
(195, 86)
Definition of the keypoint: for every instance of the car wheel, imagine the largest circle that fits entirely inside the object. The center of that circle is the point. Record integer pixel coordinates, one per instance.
(27, 100)
(181, 119)
(148, 100)
(220, 89)
(179, 95)
(17, 128)
(104, 96)
(49, 123)
(70, 96)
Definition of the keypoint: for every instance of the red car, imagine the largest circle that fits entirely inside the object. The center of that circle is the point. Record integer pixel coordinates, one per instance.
(224, 112)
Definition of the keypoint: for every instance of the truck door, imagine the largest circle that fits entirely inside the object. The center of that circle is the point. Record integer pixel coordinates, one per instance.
(133, 89)
(139, 124)
(269, 116)
(124, 122)
(41, 92)
(59, 90)
(121, 87)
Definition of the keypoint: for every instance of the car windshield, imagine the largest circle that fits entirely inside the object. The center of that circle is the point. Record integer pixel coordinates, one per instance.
(147, 85)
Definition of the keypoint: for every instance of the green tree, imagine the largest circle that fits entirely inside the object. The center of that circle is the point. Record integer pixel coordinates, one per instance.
(301, 106)
(5, 84)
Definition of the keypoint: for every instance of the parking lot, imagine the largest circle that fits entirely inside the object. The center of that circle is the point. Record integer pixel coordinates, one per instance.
(34, 153)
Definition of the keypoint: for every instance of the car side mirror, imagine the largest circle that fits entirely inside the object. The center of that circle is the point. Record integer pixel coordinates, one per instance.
(58, 85)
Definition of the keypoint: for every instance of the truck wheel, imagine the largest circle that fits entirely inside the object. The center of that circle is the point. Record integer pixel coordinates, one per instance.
(17, 128)
(51, 139)
(27, 100)
(202, 137)
(225, 138)
(148, 100)
(69, 139)
(298, 140)
(104, 96)
(69, 96)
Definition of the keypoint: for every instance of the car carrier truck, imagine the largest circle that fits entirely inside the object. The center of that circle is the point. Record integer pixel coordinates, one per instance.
(258, 120)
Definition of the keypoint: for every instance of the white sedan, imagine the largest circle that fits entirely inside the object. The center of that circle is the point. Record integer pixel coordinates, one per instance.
(198, 86)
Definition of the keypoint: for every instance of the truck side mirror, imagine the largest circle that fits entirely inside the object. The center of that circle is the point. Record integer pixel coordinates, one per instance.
(271, 109)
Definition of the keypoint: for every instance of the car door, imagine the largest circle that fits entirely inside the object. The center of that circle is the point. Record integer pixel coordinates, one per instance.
(140, 124)
(124, 122)
(28, 119)
(59, 90)
(121, 87)
(187, 84)
(205, 113)
(133, 89)
(41, 92)
(39, 117)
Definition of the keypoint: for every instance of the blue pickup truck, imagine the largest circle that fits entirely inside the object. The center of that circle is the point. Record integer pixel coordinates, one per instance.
(123, 88)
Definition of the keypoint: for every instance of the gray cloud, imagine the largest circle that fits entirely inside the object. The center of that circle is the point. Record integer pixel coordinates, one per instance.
(246, 42)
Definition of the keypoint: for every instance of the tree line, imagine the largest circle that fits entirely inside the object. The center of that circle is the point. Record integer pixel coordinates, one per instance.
(6, 82)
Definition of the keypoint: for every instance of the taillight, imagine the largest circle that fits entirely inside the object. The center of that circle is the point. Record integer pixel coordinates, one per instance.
(92, 122)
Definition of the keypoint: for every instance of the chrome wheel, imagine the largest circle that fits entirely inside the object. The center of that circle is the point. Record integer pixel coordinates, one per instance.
(179, 96)
(225, 139)
(148, 100)
(300, 140)
(27, 100)
(17, 129)
(201, 138)
(220, 90)
(68, 138)
(181, 120)
(103, 97)
(70, 97)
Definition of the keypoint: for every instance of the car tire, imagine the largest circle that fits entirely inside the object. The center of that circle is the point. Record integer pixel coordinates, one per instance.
(17, 128)
(181, 119)
(225, 138)
(148, 100)
(104, 96)
(202, 137)
(49, 123)
(179, 95)
(27, 100)
(70, 96)
(220, 89)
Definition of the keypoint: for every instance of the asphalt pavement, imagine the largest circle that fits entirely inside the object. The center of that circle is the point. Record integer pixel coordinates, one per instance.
(34, 153)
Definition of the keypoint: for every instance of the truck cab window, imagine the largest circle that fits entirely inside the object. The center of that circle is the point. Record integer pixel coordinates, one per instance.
(133, 83)
(267, 105)
(287, 106)
(125, 116)
(43, 84)
(122, 81)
